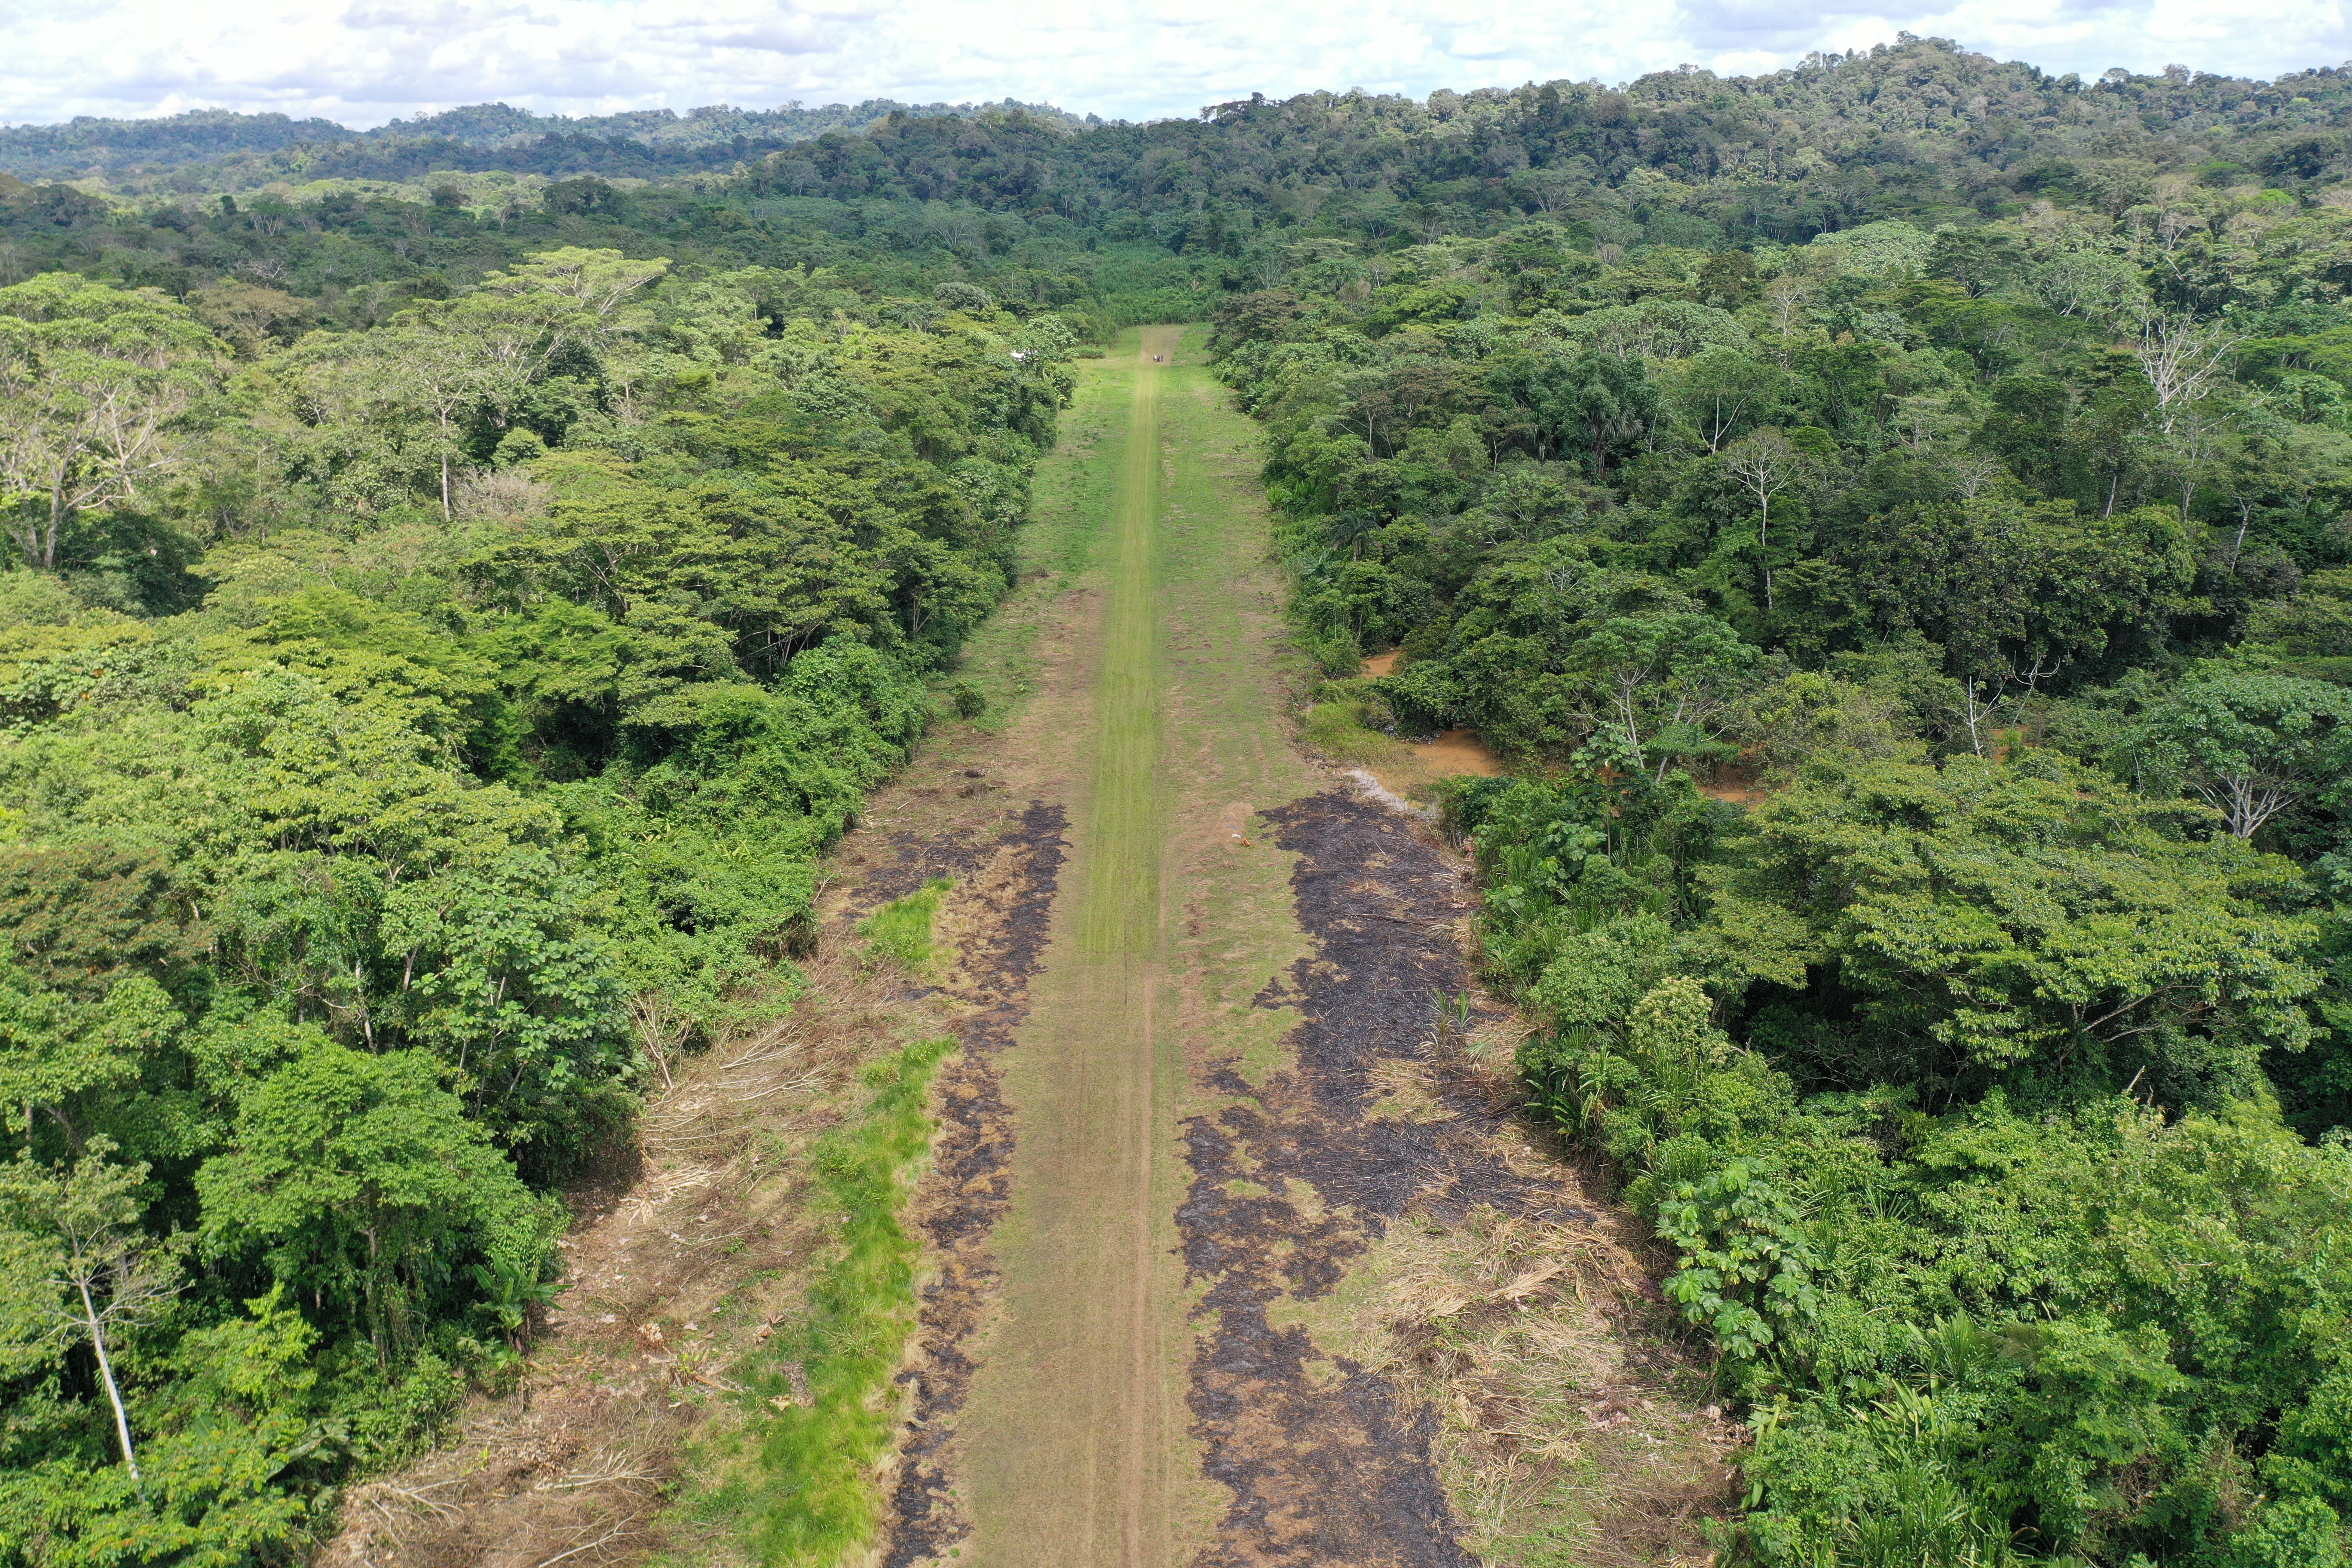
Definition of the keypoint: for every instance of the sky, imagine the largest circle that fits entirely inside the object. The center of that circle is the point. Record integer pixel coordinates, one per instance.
(363, 62)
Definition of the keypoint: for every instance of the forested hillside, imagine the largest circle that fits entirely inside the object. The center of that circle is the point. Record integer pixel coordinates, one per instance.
(1894, 516)
(418, 734)
(234, 151)
(1924, 653)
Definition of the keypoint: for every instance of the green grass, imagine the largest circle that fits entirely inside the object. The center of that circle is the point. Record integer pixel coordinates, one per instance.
(817, 1502)
(1337, 730)
(900, 931)
(1124, 831)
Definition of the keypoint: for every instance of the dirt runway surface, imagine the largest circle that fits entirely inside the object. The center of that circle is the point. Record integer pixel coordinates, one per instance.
(1178, 1149)
(1065, 1453)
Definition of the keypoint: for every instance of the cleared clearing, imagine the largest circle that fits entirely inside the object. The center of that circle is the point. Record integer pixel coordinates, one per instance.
(1187, 1333)
(1070, 1431)
(1230, 1257)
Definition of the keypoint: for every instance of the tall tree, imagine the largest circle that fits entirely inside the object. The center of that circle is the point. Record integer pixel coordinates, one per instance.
(361, 1175)
(104, 1272)
(1768, 465)
(93, 382)
(2250, 745)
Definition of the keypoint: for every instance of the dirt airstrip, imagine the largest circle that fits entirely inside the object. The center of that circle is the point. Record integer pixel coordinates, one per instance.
(1234, 1251)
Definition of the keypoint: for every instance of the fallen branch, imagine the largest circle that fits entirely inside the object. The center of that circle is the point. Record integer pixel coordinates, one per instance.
(589, 1545)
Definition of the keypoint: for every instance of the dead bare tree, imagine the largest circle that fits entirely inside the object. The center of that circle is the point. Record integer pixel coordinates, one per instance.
(1766, 466)
(2182, 362)
(1972, 471)
(1977, 708)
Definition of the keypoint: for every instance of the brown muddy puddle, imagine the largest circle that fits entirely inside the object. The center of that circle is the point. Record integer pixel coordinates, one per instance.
(1458, 751)
(1417, 764)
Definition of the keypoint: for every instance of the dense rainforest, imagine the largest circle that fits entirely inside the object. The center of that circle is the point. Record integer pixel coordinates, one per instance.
(1894, 515)
(419, 732)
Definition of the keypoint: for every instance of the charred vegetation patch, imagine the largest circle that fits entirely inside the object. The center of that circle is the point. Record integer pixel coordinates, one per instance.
(1294, 1178)
(1006, 908)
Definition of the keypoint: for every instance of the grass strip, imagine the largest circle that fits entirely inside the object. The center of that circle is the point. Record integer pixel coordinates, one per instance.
(901, 929)
(1125, 828)
(831, 1426)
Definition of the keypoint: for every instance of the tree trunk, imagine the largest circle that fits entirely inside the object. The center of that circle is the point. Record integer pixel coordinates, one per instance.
(56, 527)
(374, 1316)
(106, 1375)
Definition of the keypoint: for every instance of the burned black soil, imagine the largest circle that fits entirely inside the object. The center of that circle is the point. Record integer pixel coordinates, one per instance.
(1293, 1180)
(971, 1181)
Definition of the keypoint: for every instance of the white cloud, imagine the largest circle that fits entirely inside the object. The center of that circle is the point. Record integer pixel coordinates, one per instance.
(370, 62)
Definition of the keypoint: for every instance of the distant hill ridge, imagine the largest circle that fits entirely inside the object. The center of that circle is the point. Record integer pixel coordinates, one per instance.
(1922, 130)
(87, 145)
